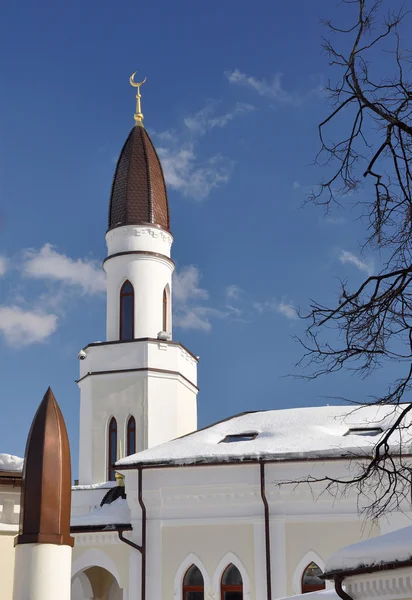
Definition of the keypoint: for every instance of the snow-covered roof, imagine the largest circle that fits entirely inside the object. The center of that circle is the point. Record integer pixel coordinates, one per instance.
(295, 433)
(388, 548)
(104, 485)
(116, 513)
(8, 462)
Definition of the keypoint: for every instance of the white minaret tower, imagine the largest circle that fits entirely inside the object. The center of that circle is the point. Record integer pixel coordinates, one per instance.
(137, 389)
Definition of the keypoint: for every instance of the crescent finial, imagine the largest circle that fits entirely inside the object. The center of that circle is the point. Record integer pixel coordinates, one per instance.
(138, 117)
(136, 83)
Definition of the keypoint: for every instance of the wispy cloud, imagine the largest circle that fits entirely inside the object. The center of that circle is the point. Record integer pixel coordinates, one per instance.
(204, 119)
(272, 89)
(25, 327)
(3, 265)
(287, 310)
(47, 263)
(330, 220)
(185, 172)
(186, 285)
(346, 257)
(284, 308)
(190, 311)
(184, 167)
(233, 292)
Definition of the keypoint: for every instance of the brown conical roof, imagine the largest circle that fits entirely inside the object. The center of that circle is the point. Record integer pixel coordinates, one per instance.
(139, 190)
(46, 488)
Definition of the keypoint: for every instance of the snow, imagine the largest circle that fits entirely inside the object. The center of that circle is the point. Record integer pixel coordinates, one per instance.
(115, 513)
(390, 547)
(8, 462)
(315, 432)
(94, 486)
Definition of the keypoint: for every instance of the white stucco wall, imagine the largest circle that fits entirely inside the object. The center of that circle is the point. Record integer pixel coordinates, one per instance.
(6, 565)
(215, 546)
(159, 391)
(149, 274)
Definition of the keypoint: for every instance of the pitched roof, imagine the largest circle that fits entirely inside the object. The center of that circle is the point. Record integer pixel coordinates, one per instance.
(138, 194)
(288, 434)
(387, 550)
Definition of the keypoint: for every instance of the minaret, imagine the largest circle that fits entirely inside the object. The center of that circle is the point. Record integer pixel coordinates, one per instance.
(139, 386)
(43, 547)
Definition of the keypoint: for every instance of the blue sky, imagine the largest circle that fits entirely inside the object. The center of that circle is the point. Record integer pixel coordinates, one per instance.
(232, 103)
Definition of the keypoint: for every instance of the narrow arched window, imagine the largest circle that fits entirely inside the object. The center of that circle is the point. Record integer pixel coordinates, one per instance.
(165, 309)
(126, 311)
(311, 581)
(131, 436)
(231, 584)
(193, 585)
(112, 449)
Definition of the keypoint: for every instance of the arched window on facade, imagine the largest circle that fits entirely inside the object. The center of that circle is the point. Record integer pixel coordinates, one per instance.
(311, 581)
(193, 584)
(111, 449)
(231, 584)
(126, 311)
(165, 310)
(131, 436)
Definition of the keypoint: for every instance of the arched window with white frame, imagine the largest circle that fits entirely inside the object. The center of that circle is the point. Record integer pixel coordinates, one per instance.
(131, 436)
(193, 584)
(311, 580)
(126, 326)
(111, 448)
(166, 309)
(231, 585)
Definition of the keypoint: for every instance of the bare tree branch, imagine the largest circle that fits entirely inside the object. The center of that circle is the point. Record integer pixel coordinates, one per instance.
(372, 325)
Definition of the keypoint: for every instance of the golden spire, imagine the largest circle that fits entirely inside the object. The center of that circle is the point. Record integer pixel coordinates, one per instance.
(118, 476)
(138, 117)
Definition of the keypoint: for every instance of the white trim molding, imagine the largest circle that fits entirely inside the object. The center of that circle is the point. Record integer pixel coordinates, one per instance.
(85, 584)
(229, 558)
(94, 558)
(190, 560)
(310, 556)
(382, 585)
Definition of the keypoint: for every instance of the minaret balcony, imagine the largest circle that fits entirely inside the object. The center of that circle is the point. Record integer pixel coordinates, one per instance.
(144, 354)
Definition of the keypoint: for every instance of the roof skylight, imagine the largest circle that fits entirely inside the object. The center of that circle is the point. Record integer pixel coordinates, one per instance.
(364, 431)
(239, 437)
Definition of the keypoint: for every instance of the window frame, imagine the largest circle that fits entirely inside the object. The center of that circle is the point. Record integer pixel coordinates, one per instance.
(130, 429)
(308, 588)
(187, 589)
(111, 429)
(165, 307)
(122, 295)
(230, 588)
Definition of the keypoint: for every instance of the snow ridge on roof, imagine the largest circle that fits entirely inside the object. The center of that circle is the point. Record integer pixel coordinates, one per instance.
(296, 433)
(109, 514)
(388, 548)
(8, 462)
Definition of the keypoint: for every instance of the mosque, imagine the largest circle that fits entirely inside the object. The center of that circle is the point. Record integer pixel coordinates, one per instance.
(162, 510)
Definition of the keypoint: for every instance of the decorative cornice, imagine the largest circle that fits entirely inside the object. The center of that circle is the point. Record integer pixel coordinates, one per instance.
(148, 370)
(144, 254)
(146, 339)
(394, 584)
(97, 538)
(152, 230)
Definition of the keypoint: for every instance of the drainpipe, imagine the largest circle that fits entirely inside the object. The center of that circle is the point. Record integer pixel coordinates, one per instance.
(129, 542)
(267, 533)
(142, 504)
(340, 591)
(142, 548)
